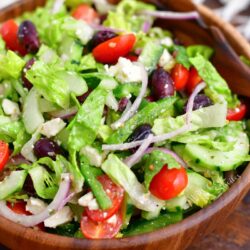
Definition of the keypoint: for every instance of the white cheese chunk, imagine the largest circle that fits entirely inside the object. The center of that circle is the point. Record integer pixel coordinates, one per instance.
(84, 200)
(60, 217)
(112, 220)
(93, 205)
(166, 60)
(10, 108)
(52, 127)
(125, 71)
(35, 206)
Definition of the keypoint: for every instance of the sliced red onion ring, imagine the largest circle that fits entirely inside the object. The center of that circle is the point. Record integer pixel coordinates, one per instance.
(32, 220)
(192, 15)
(190, 103)
(65, 113)
(146, 26)
(134, 158)
(164, 150)
(66, 200)
(133, 109)
(163, 137)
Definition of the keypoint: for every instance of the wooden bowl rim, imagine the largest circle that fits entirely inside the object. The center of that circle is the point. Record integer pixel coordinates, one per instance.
(62, 242)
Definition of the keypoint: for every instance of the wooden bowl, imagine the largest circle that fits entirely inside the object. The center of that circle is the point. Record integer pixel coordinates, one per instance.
(180, 235)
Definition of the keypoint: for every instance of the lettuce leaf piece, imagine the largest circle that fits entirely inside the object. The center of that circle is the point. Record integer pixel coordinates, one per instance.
(182, 56)
(146, 115)
(44, 182)
(125, 177)
(49, 81)
(217, 88)
(208, 117)
(2, 46)
(153, 164)
(123, 17)
(194, 50)
(11, 65)
(84, 127)
(200, 190)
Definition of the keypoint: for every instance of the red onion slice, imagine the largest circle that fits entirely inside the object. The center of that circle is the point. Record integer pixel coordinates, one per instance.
(134, 158)
(192, 15)
(32, 220)
(65, 113)
(190, 103)
(133, 109)
(146, 26)
(104, 28)
(57, 6)
(17, 160)
(163, 137)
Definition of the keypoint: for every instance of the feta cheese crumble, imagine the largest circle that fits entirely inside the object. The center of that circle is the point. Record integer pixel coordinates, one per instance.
(166, 60)
(89, 201)
(35, 206)
(125, 71)
(10, 108)
(52, 127)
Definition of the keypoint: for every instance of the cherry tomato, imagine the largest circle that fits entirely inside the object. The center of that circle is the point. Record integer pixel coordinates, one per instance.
(115, 193)
(18, 207)
(111, 50)
(9, 32)
(132, 58)
(237, 114)
(86, 13)
(193, 80)
(180, 76)
(4, 154)
(168, 183)
(101, 230)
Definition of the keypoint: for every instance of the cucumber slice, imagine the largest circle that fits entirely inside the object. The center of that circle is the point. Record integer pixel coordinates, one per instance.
(32, 116)
(12, 183)
(198, 155)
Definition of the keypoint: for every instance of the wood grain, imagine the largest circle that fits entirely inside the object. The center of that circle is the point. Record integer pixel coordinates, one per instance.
(178, 236)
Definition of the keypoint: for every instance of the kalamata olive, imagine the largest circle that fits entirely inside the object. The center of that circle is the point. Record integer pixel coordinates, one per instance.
(27, 35)
(26, 83)
(102, 36)
(46, 148)
(200, 101)
(122, 104)
(140, 133)
(83, 97)
(161, 84)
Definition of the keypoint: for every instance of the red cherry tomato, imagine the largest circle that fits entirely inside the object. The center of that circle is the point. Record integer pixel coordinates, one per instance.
(180, 76)
(115, 193)
(9, 32)
(18, 207)
(86, 13)
(101, 230)
(111, 50)
(4, 154)
(193, 80)
(237, 114)
(168, 183)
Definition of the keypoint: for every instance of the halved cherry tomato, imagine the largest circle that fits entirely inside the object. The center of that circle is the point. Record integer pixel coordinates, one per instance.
(101, 230)
(168, 183)
(86, 13)
(115, 193)
(237, 114)
(18, 207)
(111, 50)
(180, 76)
(193, 80)
(9, 32)
(4, 154)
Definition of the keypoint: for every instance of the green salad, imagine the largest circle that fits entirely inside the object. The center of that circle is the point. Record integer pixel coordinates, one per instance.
(110, 126)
